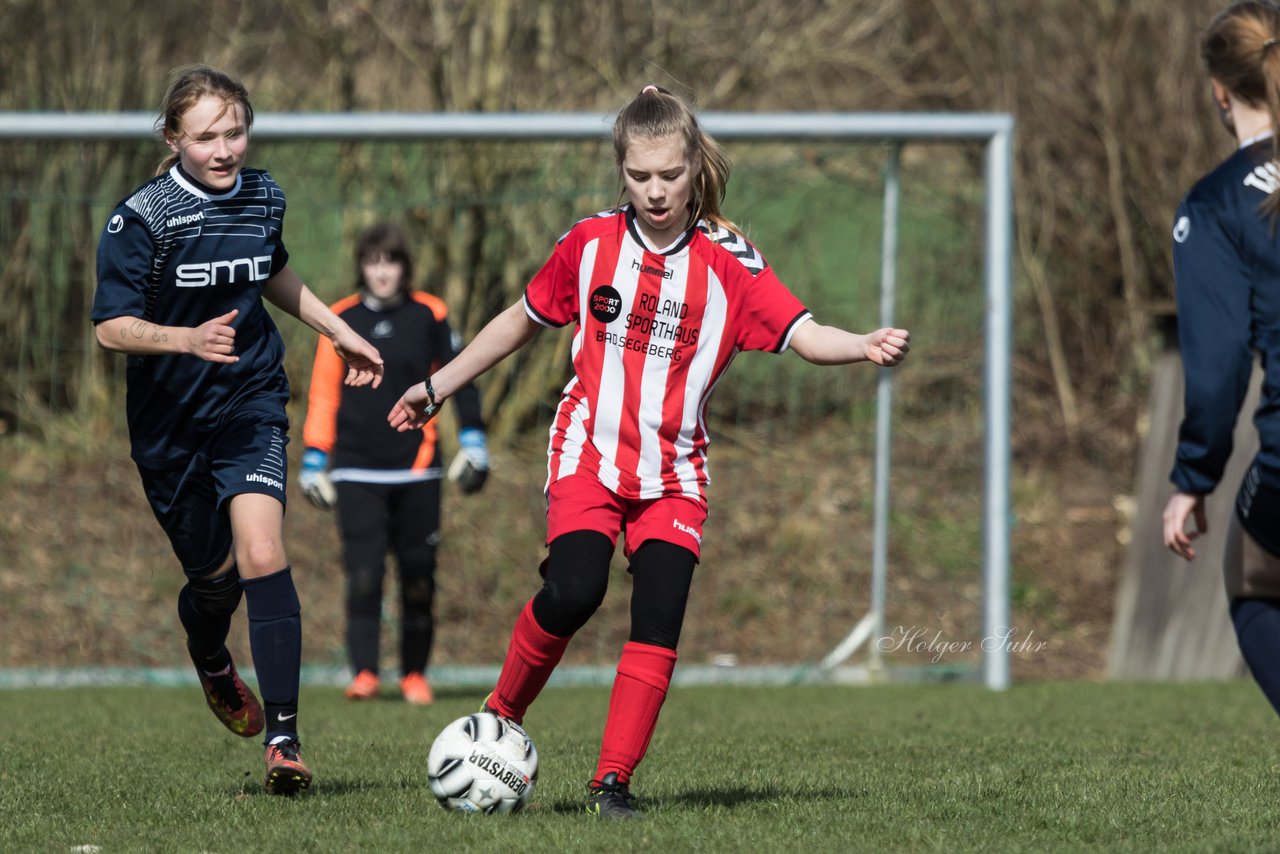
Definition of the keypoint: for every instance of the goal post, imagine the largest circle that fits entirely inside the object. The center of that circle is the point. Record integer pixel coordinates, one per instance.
(897, 129)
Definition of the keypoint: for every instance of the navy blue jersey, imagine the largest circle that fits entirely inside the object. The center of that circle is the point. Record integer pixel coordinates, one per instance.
(176, 255)
(1226, 257)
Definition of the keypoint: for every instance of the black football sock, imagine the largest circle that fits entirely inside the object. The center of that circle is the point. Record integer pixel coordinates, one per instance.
(275, 638)
(1257, 623)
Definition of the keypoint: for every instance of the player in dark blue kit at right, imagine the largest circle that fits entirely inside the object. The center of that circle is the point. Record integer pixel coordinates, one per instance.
(1226, 254)
(183, 266)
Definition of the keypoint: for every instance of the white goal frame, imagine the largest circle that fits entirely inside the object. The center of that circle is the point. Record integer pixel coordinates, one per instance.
(994, 129)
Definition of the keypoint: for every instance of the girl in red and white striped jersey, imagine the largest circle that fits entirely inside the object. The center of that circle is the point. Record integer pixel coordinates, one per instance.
(663, 292)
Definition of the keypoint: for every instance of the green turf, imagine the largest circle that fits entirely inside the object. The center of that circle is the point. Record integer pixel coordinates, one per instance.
(1047, 767)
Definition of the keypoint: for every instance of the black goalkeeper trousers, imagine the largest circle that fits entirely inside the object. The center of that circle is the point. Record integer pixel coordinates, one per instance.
(404, 519)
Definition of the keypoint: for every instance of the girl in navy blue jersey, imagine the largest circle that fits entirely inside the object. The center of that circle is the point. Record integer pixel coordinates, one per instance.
(183, 266)
(1226, 254)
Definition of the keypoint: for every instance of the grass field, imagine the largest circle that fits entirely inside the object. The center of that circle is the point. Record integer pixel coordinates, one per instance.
(1043, 767)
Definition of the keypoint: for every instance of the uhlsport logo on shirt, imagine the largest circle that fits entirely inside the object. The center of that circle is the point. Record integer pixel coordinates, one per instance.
(606, 304)
(255, 477)
(184, 219)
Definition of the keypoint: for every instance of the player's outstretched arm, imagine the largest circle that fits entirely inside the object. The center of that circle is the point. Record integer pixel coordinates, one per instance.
(289, 293)
(214, 340)
(501, 337)
(829, 345)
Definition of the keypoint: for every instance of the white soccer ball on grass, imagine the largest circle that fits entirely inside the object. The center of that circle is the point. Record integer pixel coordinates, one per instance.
(482, 763)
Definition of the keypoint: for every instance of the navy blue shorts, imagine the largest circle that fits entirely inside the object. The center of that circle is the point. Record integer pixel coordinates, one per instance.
(1258, 509)
(190, 497)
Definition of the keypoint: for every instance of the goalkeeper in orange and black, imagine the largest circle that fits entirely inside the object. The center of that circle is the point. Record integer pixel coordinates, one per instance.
(385, 484)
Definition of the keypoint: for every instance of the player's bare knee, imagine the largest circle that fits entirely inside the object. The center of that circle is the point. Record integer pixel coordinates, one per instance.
(259, 557)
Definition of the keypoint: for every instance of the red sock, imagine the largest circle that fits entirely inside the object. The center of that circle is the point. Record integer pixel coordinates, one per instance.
(644, 673)
(532, 656)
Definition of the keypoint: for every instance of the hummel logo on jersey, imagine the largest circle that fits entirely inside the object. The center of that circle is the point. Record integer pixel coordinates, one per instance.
(223, 272)
(281, 716)
(737, 246)
(651, 270)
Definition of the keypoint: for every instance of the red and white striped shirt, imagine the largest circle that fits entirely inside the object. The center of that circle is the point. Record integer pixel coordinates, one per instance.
(654, 333)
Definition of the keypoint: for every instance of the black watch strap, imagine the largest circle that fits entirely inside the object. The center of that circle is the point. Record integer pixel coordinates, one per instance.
(433, 405)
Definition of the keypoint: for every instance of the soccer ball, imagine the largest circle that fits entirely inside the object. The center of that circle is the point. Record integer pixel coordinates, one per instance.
(482, 763)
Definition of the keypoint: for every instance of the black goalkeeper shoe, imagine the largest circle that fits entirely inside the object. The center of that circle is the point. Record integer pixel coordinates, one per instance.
(609, 799)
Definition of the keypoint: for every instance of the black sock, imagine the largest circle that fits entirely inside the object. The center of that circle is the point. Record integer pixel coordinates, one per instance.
(1257, 623)
(275, 637)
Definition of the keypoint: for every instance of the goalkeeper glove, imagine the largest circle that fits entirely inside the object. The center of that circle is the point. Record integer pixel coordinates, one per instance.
(314, 479)
(470, 467)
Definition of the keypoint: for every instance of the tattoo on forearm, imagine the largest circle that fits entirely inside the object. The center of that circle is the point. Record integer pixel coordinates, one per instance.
(140, 329)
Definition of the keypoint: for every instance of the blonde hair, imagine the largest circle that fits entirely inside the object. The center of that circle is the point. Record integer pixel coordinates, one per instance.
(187, 85)
(656, 113)
(1241, 50)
